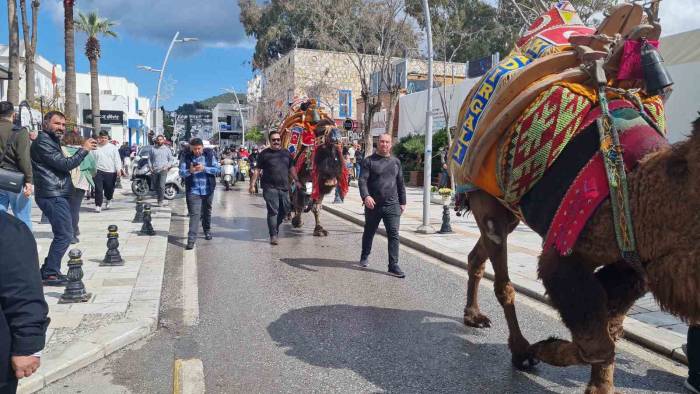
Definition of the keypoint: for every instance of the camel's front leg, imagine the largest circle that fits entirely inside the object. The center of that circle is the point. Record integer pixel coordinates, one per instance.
(476, 261)
(319, 231)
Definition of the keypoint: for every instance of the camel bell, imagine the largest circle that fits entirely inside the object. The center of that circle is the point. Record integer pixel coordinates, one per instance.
(315, 117)
(656, 74)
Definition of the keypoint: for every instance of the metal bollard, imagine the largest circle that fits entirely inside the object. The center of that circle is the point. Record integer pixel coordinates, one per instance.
(138, 218)
(75, 289)
(112, 257)
(147, 228)
(446, 228)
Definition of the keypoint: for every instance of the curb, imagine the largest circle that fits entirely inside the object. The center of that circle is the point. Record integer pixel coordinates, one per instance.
(635, 331)
(140, 321)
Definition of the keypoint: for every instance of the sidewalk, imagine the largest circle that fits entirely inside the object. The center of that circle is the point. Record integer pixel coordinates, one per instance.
(125, 300)
(646, 323)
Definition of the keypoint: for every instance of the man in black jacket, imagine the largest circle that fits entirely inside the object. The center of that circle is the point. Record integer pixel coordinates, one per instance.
(384, 195)
(23, 310)
(53, 190)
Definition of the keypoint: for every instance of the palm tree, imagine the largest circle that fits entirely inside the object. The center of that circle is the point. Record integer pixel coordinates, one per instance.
(13, 83)
(94, 26)
(29, 45)
(69, 42)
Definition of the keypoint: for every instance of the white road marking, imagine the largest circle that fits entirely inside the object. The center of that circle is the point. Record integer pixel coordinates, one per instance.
(188, 376)
(190, 287)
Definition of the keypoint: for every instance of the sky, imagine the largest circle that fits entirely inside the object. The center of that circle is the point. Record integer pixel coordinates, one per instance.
(221, 57)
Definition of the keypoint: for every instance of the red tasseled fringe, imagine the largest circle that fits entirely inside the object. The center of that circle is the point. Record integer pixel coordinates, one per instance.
(343, 182)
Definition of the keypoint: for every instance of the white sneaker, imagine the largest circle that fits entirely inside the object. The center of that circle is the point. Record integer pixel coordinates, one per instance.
(98, 209)
(107, 204)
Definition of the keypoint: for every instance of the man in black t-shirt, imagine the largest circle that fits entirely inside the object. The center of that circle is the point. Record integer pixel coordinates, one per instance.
(276, 166)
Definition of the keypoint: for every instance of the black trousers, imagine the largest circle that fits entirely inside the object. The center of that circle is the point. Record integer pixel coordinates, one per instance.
(104, 183)
(9, 387)
(694, 351)
(199, 209)
(391, 215)
(278, 205)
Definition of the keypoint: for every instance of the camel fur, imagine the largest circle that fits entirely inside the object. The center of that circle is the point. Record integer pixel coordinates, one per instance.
(593, 288)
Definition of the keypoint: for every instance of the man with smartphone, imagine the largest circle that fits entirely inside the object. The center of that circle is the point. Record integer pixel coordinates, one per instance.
(199, 168)
(53, 189)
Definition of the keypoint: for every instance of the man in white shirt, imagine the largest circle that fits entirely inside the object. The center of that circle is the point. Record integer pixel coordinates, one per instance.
(109, 167)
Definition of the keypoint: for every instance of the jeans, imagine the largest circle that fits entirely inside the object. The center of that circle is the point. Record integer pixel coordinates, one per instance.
(199, 208)
(75, 201)
(57, 210)
(694, 352)
(391, 215)
(159, 183)
(104, 182)
(357, 169)
(20, 204)
(278, 205)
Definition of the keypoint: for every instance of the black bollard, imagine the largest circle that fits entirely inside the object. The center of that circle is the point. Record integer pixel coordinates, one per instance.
(118, 183)
(446, 228)
(147, 228)
(75, 289)
(138, 218)
(112, 257)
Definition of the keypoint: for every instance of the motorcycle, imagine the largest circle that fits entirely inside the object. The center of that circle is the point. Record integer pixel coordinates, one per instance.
(244, 168)
(142, 182)
(228, 173)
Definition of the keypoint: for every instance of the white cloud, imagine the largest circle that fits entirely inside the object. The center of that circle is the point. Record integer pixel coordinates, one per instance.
(679, 15)
(213, 22)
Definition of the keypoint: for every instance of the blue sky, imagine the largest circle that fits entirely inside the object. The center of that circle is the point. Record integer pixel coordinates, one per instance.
(195, 71)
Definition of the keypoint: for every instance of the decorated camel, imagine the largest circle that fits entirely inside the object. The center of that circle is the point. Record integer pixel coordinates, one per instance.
(567, 134)
(313, 140)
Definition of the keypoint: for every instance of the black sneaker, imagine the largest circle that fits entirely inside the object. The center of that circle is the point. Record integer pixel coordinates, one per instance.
(55, 280)
(364, 263)
(207, 236)
(190, 245)
(693, 384)
(396, 271)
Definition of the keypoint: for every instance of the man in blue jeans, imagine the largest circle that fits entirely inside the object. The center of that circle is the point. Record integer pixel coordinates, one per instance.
(14, 150)
(54, 188)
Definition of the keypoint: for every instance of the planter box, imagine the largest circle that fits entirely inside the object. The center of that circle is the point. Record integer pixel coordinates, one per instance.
(415, 178)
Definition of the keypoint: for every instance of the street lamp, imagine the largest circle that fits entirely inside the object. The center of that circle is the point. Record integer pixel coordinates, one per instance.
(162, 69)
(240, 113)
(425, 227)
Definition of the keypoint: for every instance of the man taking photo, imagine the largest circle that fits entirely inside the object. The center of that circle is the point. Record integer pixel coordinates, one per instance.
(384, 195)
(54, 188)
(199, 169)
(160, 159)
(276, 166)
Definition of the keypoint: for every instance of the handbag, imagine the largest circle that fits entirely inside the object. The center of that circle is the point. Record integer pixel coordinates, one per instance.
(10, 180)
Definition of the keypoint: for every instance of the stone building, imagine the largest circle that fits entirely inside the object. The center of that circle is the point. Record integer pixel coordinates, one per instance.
(332, 79)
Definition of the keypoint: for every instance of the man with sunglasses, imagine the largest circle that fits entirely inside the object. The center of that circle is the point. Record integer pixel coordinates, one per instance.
(277, 167)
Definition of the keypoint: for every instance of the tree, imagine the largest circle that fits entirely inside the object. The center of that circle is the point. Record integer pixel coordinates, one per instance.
(69, 42)
(168, 127)
(94, 26)
(29, 46)
(255, 135)
(13, 83)
(188, 129)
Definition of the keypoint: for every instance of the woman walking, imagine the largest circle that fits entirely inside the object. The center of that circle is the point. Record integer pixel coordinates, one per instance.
(81, 177)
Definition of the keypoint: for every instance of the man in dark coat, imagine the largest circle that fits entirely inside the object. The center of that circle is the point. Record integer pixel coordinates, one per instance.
(23, 310)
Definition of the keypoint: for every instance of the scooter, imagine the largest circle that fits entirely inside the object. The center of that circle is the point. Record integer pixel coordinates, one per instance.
(142, 182)
(228, 173)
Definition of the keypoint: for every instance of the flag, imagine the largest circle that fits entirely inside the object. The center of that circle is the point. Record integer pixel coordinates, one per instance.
(53, 76)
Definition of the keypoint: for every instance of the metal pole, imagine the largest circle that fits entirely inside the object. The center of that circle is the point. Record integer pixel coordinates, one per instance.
(160, 80)
(426, 228)
(240, 113)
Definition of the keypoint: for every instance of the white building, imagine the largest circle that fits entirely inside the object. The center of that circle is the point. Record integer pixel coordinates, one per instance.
(43, 86)
(226, 119)
(123, 112)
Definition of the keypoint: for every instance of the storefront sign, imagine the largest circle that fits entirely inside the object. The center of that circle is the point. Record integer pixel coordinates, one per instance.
(106, 117)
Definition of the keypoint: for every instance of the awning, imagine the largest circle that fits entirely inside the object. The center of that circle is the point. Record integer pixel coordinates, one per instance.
(5, 73)
(135, 123)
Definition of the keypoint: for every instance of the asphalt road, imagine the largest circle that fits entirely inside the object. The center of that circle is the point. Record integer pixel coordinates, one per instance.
(303, 317)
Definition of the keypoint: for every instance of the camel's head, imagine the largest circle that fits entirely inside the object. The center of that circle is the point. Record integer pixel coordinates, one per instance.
(328, 158)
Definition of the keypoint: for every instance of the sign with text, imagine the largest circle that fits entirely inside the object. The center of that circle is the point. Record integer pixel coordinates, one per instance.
(106, 117)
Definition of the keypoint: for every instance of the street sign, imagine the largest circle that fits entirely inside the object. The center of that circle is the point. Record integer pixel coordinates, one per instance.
(347, 124)
(106, 117)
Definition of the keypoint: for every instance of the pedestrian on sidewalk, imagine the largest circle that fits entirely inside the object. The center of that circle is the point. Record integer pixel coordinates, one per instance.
(54, 189)
(199, 169)
(14, 156)
(160, 160)
(384, 196)
(109, 167)
(693, 353)
(81, 176)
(277, 167)
(23, 309)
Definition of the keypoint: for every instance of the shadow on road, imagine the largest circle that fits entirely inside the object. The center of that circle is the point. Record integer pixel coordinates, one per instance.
(419, 351)
(306, 264)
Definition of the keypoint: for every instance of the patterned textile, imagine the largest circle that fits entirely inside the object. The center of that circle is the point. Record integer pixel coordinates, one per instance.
(537, 139)
(654, 107)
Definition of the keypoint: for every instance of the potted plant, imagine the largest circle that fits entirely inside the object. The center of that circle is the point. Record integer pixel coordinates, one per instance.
(446, 195)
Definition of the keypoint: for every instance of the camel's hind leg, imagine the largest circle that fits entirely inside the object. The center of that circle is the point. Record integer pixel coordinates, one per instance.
(476, 262)
(495, 222)
(319, 231)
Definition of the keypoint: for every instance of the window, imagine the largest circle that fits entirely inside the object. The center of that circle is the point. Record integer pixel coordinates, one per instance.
(345, 103)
